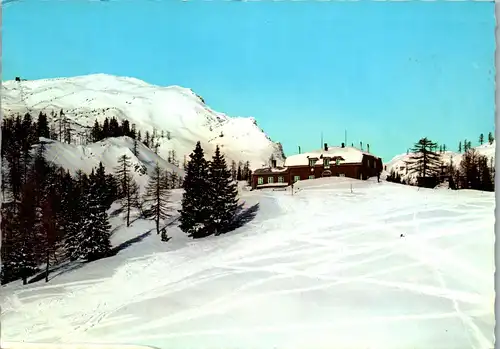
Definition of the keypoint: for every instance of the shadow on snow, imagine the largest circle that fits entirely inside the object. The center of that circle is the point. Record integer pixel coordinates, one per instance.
(243, 216)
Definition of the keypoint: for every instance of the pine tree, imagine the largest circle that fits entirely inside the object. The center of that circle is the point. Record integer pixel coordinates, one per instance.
(234, 170)
(133, 132)
(42, 129)
(490, 138)
(125, 128)
(481, 139)
(173, 158)
(470, 170)
(77, 206)
(106, 129)
(135, 149)
(67, 131)
(49, 230)
(67, 214)
(47, 201)
(128, 186)
(28, 247)
(487, 183)
(195, 212)
(246, 171)
(223, 193)
(105, 185)
(238, 172)
(424, 160)
(114, 128)
(157, 197)
(94, 240)
(11, 247)
(61, 125)
(460, 146)
(96, 133)
(11, 149)
(173, 179)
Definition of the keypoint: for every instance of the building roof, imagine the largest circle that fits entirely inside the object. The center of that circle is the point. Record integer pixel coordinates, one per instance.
(350, 155)
(267, 170)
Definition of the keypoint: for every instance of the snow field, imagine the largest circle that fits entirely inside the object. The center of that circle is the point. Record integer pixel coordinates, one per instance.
(320, 269)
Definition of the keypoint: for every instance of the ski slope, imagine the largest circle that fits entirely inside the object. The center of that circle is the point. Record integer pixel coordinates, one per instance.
(324, 268)
(175, 110)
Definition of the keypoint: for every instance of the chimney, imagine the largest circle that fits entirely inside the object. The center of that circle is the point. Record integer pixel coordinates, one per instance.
(326, 147)
(299, 150)
(367, 148)
(343, 145)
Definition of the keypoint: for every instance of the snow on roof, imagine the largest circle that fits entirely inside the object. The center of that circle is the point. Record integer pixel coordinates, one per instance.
(270, 170)
(350, 155)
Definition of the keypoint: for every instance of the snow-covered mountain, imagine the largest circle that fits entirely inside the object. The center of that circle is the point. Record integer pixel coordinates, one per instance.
(173, 109)
(398, 163)
(108, 151)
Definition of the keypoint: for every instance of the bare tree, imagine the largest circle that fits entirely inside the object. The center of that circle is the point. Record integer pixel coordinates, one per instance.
(157, 197)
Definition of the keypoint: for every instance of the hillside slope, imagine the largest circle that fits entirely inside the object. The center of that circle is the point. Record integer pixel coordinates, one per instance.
(85, 158)
(398, 163)
(175, 109)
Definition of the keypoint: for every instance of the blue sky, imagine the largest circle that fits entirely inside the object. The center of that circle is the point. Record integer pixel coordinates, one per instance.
(388, 73)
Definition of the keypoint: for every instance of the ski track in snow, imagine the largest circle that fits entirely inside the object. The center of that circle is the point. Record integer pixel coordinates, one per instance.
(323, 239)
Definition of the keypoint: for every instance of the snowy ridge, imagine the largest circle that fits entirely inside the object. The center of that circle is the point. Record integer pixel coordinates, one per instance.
(85, 158)
(176, 109)
(398, 163)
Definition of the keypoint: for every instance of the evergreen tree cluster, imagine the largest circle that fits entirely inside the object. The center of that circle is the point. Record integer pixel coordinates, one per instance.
(112, 128)
(61, 130)
(467, 145)
(474, 172)
(47, 214)
(395, 177)
(209, 202)
(241, 171)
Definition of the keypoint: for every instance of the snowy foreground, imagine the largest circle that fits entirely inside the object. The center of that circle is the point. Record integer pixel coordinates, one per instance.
(325, 268)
